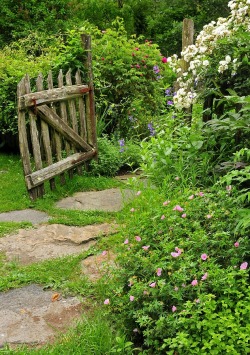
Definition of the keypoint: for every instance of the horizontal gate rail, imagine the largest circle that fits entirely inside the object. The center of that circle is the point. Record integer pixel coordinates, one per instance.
(57, 131)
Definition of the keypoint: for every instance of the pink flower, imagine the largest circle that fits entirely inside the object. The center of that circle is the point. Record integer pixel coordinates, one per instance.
(164, 60)
(132, 210)
(166, 203)
(191, 197)
(174, 309)
(137, 238)
(145, 293)
(158, 272)
(244, 266)
(184, 215)
(138, 193)
(106, 301)
(153, 284)
(204, 277)
(131, 298)
(201, 194)
(163, 217)
(176, 288)
(178, 208)
(236, 244)
(137, 49)
(209, 216)
(104, 252)
(177, 178)
(125, 241)
(130, 284)
(175, 255)
(229, 187)
(135, 330)
(183, 285)
(194, 282)
(197, 300)
(204, 256)
(145, 247)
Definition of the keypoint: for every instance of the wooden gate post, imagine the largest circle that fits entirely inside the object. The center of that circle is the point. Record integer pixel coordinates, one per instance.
(187, 40)
(91, 127)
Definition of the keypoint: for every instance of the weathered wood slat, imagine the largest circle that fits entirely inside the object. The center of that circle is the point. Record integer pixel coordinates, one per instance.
(81, 105)
(71, 103)
(34, 131)
(90, 103)
(23, 140)
(53, 95)
(44, 127)
(57, 138)
(35, 178)
(63, 110)
(56, 122)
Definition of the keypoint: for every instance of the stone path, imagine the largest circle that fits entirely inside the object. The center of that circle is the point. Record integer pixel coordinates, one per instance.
(51, 241)
(29, 315)
(33, 316)
(29, 215)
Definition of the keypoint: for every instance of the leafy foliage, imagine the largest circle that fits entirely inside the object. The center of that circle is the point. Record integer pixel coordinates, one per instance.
(183, 285)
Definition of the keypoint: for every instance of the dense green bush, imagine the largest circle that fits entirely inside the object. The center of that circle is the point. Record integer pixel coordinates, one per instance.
(183, 286)
(29, 56)
(129, 74)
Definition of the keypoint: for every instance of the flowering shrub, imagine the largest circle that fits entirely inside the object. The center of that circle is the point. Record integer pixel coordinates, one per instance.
(130, 77)
(183, 287)
(218, 59)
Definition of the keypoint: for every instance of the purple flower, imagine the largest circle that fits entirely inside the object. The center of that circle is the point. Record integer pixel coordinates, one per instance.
(170, 103)
(151, 129)
(121, 142)
(156, 69)
(168, 92)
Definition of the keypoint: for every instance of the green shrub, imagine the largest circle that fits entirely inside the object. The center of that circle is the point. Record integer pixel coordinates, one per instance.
(184, 279)
(109, 158)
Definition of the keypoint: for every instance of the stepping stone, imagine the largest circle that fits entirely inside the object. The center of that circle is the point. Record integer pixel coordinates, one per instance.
(110, 200)
(51, 241)
(32, 316)
(96, 266)
(27, 215)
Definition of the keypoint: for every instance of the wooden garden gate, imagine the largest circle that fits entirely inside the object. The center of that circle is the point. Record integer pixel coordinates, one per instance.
(57, 130)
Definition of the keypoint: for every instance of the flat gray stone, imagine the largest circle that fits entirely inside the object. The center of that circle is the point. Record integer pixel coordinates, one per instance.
(30, 315)
(110, 200)
(51, 241)
(27, 215)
